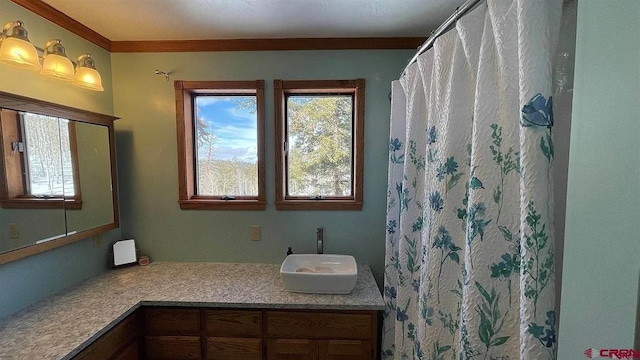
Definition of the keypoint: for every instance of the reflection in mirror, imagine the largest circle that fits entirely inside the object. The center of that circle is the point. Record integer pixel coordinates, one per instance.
(39, 160)
(20, 231)
(57, 176)
(94, 169)
(48, 156)
(32, 182)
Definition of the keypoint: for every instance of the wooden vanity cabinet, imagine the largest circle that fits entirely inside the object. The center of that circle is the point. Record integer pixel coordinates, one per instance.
(180, 333)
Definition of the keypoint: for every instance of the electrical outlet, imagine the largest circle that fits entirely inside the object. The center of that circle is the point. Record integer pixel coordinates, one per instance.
(255, 232)
(14, 233)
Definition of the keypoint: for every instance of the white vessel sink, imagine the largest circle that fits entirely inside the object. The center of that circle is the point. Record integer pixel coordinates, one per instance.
(319, 273)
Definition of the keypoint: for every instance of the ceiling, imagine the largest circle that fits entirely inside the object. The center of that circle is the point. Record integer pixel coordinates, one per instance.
(130, 20)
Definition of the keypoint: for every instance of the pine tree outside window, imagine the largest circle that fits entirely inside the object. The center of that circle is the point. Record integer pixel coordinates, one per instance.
(319, 144)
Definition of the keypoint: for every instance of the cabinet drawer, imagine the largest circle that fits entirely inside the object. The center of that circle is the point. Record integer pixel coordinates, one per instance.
(233, 323)
(172, 347)
(302, 325)
(170, 321)
(345, 350)
(292, 349)
(113, 341)
(220, 348)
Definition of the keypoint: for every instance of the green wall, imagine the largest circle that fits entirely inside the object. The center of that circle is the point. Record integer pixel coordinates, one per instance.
(26, 281)
(147, 158)
(602, 247)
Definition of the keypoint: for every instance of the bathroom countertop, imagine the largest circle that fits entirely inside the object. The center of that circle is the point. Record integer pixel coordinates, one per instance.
(61, 325)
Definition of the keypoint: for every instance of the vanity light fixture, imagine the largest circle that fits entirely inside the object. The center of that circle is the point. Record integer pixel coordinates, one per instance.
(55, 63)
(17, 50)
(86, 74)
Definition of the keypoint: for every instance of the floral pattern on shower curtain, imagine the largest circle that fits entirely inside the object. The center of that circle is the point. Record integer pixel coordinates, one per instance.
(469, 268)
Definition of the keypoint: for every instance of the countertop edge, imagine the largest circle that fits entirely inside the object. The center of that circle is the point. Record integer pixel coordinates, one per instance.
(264, 306)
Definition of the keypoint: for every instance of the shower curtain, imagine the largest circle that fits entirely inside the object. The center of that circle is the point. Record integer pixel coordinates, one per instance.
(469, 268)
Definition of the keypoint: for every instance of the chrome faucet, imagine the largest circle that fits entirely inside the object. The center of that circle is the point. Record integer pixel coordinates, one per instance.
(320, 239)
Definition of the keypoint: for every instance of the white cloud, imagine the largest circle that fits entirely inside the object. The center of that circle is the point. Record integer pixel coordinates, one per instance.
(236, 133)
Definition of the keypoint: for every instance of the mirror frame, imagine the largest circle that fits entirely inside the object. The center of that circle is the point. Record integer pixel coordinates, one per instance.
(27, 104)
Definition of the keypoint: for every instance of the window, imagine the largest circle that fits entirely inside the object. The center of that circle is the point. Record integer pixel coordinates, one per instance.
(220, 144)
(319, 144)
(40, 162)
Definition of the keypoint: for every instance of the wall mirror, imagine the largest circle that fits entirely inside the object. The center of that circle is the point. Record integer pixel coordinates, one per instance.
(57, 176)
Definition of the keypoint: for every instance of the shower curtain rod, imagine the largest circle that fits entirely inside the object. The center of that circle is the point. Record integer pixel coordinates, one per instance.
(460, 12)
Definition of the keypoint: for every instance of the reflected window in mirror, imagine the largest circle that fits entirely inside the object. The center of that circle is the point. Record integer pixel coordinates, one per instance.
(40, 159)
(46, 152)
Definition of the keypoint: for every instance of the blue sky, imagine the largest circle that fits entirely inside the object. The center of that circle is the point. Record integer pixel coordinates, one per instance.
(235, 129)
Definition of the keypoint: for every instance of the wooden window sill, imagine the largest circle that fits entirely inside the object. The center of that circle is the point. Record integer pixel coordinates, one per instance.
(208, 204)
(40, 203)
(347, 205)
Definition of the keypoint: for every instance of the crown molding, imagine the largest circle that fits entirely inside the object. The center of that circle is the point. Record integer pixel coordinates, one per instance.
(59, 18)
(267, 44)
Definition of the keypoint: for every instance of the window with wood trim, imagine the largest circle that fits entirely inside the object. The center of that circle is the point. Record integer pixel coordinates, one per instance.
(220, 144)
(39, 162)
(319, 144)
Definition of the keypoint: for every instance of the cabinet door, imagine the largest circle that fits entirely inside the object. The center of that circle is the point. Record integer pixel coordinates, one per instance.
(234, 349)
(290, 349)
(114, 341)
(233, 323)
(172, 347)
(319, 325)
(345, 350)
(171, 321)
